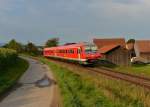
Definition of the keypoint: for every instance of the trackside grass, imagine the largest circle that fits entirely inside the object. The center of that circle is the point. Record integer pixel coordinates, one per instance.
(76, 91)
(135, 69)
(9, 75)
(139, 69)
(80, 89)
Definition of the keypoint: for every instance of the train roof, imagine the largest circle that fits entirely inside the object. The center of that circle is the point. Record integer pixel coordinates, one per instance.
(69, 46)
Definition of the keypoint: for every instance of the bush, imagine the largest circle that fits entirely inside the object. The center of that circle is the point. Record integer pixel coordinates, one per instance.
(7, 57)
(31, 49)
(10, 76)
(13, 44)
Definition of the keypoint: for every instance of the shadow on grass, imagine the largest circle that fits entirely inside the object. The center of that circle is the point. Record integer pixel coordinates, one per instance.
(139, 64)
(106, 63)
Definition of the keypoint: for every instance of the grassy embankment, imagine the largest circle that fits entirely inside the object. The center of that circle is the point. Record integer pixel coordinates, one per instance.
(11, 68)
(143, 69)
(82, 90)
(135, 69)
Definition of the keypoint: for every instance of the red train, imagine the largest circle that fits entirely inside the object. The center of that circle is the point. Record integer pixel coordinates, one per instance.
(84, 53)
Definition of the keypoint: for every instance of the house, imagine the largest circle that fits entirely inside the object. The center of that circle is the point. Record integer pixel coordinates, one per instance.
(113, 41)
(114, 50)
(142, 49)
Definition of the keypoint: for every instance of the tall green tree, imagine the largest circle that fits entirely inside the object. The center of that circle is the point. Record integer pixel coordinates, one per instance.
(52, 42)
(31, 49)
(130, 46)
(131, 41)
(13, 44)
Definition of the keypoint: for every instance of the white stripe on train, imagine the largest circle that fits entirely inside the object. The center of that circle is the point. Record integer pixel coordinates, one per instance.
(75, 59)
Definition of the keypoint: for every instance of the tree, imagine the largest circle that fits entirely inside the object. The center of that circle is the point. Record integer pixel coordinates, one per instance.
(31, 49)
(52, 42)
(131, 41)
(13, 44)
(130, 46)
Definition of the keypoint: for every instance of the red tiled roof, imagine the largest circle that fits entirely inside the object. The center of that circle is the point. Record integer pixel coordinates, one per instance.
(113, 41)
(107, 48)
(143, 46)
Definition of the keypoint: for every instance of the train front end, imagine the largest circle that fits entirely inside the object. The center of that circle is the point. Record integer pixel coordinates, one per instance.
(92, 54)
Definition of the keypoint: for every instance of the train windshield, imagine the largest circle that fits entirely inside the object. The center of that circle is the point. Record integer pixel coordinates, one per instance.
(91, 49)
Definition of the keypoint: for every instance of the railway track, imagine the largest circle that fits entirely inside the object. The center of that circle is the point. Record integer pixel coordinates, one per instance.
(134, 79)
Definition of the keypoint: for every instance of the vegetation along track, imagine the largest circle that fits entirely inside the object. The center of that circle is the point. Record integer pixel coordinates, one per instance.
(138, 80)
(132, 78)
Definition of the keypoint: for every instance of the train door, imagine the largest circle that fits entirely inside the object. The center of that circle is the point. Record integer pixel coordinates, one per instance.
(79, 53)
(55, 52)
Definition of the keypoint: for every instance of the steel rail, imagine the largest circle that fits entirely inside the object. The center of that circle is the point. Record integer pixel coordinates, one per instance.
(138, 80)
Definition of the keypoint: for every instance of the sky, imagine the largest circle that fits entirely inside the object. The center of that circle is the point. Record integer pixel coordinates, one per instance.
(73, 20)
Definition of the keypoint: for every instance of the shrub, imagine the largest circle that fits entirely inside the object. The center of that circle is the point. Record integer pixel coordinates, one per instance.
(7, 57)
(13, 44)
(32, 49)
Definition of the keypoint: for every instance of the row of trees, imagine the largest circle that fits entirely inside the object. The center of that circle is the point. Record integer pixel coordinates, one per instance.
(30, 47)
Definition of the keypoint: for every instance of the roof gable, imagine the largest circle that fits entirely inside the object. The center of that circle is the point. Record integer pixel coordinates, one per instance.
(108, 48)
(113, 41)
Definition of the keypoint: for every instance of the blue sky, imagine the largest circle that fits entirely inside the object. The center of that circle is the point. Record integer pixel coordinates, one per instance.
(73, 20)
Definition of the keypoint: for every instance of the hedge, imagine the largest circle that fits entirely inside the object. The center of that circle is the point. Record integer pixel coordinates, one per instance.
(7, 57)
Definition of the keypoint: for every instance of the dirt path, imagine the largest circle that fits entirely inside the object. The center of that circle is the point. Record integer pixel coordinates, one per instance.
(36, 88)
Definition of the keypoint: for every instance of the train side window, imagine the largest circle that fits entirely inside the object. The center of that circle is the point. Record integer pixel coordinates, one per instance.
(79, 51)
(72, 51)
